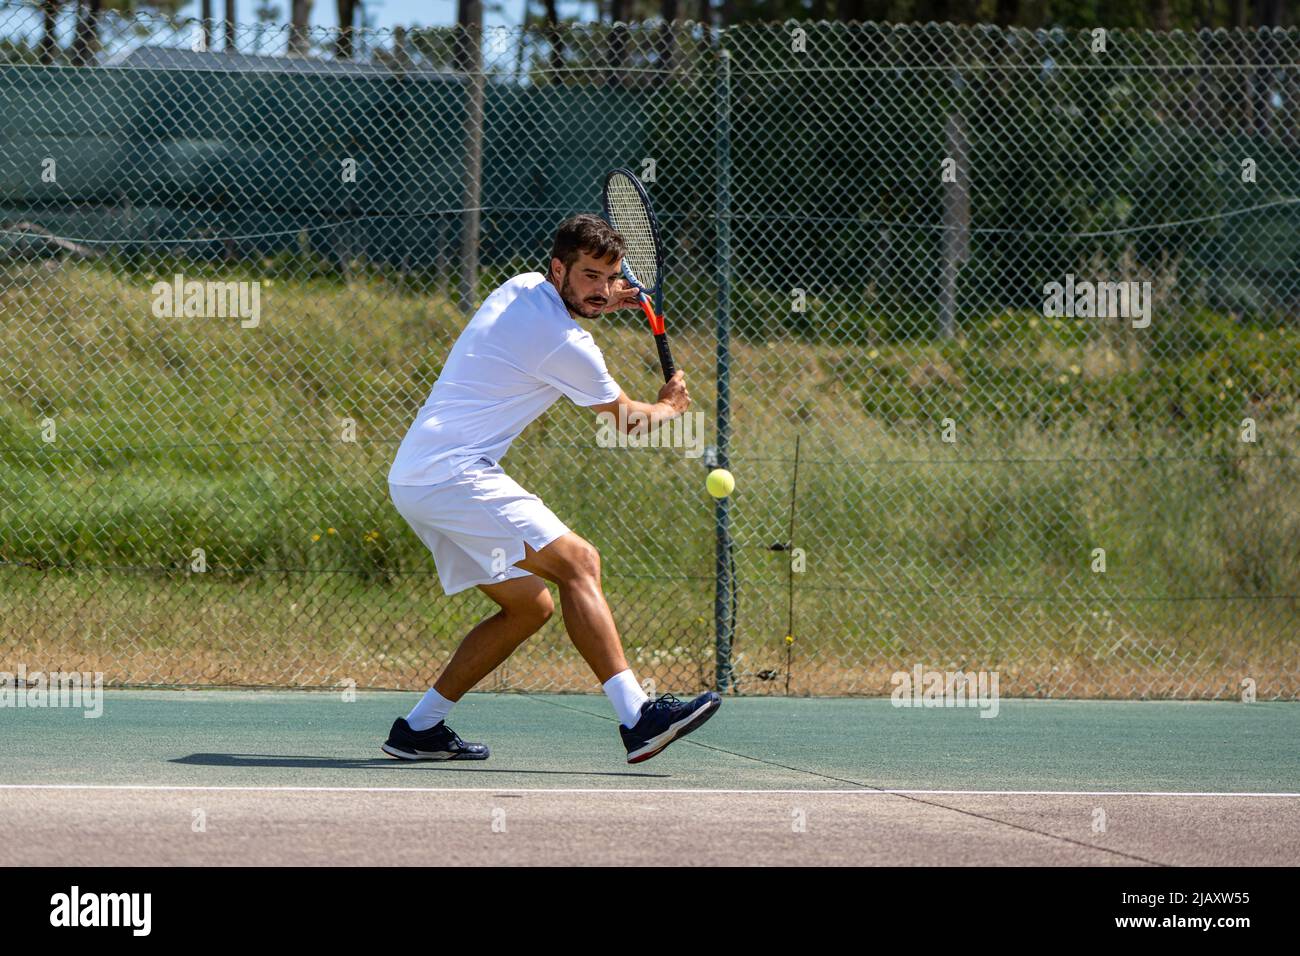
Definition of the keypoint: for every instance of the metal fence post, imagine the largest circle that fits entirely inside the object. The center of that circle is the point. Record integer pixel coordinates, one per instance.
(470, 54)
(723, 583)
(956, 224)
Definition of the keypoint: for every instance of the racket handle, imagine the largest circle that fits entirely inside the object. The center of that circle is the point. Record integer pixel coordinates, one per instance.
(665, 356)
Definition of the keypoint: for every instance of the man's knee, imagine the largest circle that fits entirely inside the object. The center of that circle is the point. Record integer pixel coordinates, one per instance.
(581, 563)
(568, 560)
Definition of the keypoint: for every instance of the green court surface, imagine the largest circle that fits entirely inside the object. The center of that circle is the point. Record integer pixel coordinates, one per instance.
(222, 777)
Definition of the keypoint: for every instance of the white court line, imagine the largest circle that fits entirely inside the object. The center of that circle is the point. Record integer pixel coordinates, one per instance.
(862, 791)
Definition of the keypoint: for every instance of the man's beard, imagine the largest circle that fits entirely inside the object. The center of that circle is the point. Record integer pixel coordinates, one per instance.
(588, 310)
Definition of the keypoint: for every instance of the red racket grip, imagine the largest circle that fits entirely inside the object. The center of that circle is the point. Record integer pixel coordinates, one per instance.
(661, 338)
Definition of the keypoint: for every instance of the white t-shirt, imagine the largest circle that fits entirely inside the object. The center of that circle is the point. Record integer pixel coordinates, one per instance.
(518, 354)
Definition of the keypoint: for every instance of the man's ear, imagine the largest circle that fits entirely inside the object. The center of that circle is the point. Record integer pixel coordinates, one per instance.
(556, 267)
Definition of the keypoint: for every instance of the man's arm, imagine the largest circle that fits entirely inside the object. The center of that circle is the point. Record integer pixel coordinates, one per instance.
(634, 418)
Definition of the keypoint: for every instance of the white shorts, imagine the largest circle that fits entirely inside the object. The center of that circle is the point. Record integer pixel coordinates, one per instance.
(476, 524)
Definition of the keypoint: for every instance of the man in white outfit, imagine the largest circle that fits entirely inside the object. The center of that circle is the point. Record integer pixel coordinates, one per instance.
(522, 350)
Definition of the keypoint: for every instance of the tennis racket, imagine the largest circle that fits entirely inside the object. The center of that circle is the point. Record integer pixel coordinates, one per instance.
(627, 209)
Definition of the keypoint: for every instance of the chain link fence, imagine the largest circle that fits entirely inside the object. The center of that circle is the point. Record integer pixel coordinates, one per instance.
(998, 331)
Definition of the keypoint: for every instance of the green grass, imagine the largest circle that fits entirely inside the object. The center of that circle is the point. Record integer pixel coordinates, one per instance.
(183, 434)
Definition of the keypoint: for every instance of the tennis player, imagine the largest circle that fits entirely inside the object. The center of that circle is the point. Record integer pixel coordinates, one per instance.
(522, 350)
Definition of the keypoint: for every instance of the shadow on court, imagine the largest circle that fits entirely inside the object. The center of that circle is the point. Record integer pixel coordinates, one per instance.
(385, 763)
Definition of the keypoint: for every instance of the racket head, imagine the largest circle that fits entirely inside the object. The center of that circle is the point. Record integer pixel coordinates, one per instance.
(628, 209)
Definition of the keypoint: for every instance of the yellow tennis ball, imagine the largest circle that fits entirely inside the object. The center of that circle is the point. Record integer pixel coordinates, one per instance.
(720, 483)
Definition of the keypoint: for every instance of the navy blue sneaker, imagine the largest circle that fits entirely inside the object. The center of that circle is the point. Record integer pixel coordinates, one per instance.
(663, 720)
(439, 742)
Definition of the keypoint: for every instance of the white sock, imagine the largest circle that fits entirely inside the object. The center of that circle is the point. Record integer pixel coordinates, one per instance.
(627, 697)
(432, 708)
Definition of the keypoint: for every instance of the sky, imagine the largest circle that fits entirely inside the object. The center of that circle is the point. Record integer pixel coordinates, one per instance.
(387, 14)
(425, 13)
(384, 14)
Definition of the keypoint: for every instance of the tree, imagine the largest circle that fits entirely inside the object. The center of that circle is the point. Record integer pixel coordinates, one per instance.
(1161, 16)
(228, 41)
(205, 22)
(1268, 13)
(669, 12)
(851, 10)
(265, 13)
(299, 37)
(347, 11)
(85, 43)
(49, 44)
(553, 36)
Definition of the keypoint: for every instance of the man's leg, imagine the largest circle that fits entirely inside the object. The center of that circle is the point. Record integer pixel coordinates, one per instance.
(525, 606)
(574, 565)
(646, 727)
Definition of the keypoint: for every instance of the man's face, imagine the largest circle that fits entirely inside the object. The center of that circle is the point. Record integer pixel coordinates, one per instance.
(588, 285)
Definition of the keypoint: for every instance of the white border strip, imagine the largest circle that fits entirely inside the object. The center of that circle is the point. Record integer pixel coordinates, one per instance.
(862, 791)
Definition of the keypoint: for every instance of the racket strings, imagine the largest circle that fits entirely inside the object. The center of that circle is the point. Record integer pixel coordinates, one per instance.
(628, 215)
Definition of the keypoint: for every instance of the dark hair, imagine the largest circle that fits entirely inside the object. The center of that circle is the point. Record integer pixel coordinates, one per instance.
(589, 234)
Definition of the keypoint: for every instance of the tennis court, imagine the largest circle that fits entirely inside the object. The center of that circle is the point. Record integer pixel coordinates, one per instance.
(996, 331)
(274, 777)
